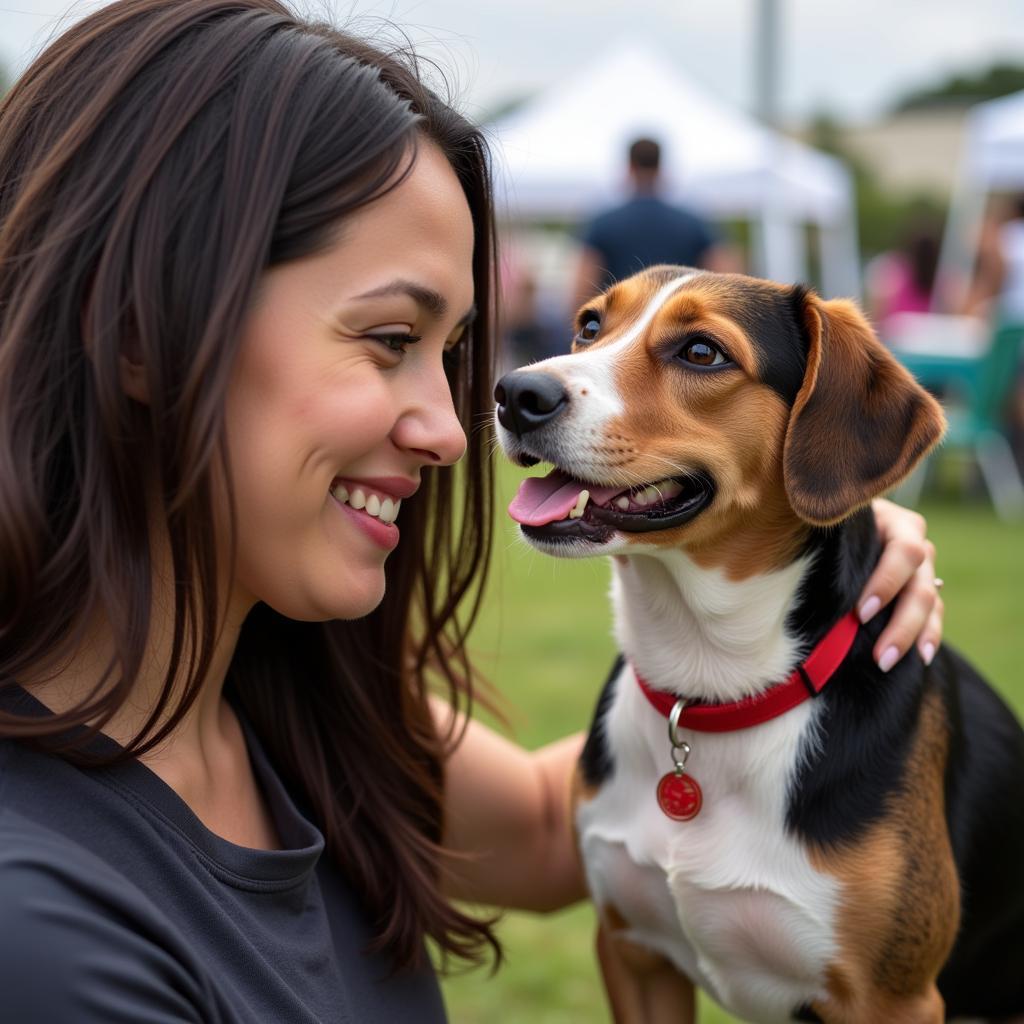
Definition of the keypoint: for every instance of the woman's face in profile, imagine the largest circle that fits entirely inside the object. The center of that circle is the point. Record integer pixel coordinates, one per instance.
(334, 406)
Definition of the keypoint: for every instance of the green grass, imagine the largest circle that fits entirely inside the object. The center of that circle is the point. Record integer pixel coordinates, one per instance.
(545, 643)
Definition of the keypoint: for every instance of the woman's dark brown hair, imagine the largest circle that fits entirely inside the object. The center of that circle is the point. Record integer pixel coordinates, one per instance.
(155, 160)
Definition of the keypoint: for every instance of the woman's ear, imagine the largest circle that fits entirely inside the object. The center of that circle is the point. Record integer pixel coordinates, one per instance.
(130, 369)
(134, 381)
(860, 422)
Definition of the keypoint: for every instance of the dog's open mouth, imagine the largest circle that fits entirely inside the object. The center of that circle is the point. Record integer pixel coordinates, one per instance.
(559, 506)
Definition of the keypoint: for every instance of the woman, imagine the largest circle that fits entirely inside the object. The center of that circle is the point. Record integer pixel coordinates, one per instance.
(244, 325)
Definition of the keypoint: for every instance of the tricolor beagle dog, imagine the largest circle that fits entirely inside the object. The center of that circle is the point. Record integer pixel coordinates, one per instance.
(759, 808)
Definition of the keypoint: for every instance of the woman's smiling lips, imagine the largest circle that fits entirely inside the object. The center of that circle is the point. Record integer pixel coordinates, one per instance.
(373, 504)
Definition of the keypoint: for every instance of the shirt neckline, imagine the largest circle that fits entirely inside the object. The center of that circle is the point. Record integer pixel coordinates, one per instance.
(241, 866)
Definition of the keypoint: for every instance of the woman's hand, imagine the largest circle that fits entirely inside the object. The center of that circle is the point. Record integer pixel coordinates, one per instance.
(906, 571)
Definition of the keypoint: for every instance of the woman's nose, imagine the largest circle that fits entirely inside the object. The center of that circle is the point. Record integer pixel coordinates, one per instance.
(430, 427)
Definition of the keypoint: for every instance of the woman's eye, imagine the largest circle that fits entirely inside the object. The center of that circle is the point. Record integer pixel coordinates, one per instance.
(590, 325)
(702, 353)
(396, 342)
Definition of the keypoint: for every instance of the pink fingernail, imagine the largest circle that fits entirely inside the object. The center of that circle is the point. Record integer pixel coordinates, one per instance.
(928, 653)
(889, 658)
(869, 608)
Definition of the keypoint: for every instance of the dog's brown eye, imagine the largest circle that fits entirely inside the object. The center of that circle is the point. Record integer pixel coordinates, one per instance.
(589, 327)
(702, 353)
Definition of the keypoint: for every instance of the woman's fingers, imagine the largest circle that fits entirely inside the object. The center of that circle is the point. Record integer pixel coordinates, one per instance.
(931, 635)
(905, 571)
(916, 619)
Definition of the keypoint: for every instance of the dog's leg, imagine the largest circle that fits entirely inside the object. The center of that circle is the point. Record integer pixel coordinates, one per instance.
(642, 987)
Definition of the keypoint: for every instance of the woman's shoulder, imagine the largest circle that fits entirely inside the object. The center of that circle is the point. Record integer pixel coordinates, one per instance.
(52, 883)
(62, 905)
(45, 877)
(66, 848)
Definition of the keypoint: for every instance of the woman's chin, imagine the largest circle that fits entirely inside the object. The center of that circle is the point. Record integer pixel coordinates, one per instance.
(355, 603)
(353, 597)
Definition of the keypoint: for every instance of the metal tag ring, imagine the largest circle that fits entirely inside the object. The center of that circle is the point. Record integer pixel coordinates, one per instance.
(673, 724)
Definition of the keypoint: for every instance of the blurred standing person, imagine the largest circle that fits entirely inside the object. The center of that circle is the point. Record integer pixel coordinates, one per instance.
(644, 231)
(1010, 309)
(1011, 245)
(901, 280)
(997, 292)
(530, 329)
(997, 288)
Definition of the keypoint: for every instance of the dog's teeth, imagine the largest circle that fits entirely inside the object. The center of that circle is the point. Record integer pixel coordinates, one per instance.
(357, 499)
(623, 503)
(581, 503)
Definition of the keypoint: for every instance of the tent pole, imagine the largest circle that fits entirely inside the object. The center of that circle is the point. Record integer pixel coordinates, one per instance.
(959, 250)
(766, 60)
(840, 258)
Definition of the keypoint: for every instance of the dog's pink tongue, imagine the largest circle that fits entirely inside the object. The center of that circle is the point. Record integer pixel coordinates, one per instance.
(546, 499)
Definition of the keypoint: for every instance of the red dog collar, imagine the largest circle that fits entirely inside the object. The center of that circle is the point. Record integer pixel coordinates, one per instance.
(806, 680)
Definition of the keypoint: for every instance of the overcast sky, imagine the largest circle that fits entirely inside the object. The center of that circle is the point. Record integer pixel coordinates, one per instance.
(851, 58)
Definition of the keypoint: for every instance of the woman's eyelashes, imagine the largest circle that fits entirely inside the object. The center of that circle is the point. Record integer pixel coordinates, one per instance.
(396, 341)
(399, 341)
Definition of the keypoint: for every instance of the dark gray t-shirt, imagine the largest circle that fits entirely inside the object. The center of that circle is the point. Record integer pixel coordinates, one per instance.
(117, 905)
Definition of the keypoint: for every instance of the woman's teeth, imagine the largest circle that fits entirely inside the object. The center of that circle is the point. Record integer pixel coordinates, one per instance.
(384, 509)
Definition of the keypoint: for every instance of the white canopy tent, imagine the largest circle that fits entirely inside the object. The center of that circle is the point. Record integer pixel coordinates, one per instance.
(992, 161)
(562, 156)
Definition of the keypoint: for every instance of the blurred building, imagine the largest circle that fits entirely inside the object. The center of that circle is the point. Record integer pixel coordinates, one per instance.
(912, 152)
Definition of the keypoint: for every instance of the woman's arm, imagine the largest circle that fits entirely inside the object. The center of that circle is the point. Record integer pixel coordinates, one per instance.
(507, 823)
(507, 810)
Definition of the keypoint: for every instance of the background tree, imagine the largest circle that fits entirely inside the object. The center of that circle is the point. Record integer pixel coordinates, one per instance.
(963, 89)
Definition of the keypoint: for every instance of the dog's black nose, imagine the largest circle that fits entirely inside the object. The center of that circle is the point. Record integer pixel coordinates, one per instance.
(528, 400)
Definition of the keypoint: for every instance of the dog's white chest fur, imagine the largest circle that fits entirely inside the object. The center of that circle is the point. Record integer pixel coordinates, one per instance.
(729, 896)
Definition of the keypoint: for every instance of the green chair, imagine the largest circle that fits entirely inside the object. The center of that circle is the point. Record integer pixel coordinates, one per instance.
(974, 390)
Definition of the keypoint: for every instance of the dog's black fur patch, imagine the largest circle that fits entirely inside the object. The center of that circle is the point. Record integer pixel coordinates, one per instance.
(868, 716)
(596, 762)
(771, 319)
(985, 814)
(868, 726)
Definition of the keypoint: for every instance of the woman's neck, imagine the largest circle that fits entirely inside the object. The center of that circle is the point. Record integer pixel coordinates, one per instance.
(198, 738)
(204, 758)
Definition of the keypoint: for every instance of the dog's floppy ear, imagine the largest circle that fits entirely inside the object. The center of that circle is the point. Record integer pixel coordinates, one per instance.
(860, 422)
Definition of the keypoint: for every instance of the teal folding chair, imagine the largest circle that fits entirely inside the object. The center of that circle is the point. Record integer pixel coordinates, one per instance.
(974, 390)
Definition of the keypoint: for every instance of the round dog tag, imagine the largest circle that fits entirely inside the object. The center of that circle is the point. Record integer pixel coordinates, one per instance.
(679, 796)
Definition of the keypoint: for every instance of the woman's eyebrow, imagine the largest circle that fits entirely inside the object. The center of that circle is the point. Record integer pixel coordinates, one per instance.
(433, 302)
